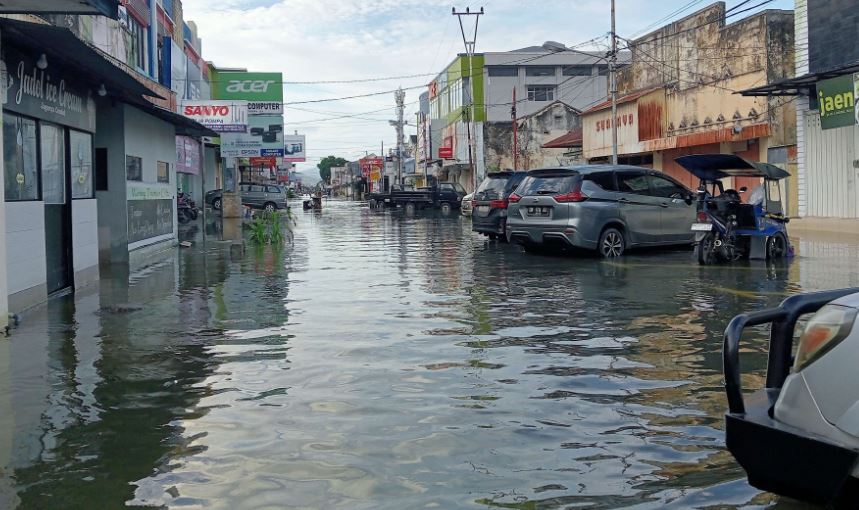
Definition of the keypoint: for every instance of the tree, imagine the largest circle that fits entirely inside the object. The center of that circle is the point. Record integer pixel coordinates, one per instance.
(325, 165)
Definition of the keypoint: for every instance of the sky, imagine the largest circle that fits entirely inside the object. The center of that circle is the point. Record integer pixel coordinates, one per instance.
(347, 40)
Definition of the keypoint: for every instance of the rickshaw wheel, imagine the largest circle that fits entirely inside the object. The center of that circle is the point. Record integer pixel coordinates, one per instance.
(776, 247)
(706, 251)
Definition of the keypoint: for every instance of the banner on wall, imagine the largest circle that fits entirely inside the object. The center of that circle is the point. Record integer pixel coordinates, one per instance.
(187, 155)
(264, 138)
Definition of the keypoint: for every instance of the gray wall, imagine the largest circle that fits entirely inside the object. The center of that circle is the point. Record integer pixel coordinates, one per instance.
(833, 29)
(112, 212)
(579, 92)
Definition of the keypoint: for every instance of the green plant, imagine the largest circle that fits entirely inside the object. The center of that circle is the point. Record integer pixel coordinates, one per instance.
(272, 228)
(259, 231)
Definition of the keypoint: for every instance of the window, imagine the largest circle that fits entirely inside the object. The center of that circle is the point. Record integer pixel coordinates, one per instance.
(274, 189)
(633, 182)
(163, 172)
(577, 70)
(256, 188)
(664, 188)
(137, 44)
(504, 71)
(133, 168)
(19, 157)
(539, 71)
(456, 95)
(547, 184)
(80, 145)
(604, 180)
(541, 93)
(53, 148)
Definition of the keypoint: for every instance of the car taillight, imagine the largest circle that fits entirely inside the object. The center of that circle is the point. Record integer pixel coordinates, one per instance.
(514, 198)
(703, 218)
(573, 196)
(498, 204)
(826, 329)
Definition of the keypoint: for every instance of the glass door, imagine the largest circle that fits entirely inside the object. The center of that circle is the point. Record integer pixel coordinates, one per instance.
(58, 218)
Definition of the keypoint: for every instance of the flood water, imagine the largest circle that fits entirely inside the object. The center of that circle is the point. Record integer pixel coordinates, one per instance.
(380, 361)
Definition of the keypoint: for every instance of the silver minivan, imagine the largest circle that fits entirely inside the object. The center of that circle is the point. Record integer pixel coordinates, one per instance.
(600, 207)
(263, 196)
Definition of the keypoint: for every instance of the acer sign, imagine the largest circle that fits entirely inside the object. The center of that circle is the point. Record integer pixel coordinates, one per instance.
(248, 86)
(219, 116)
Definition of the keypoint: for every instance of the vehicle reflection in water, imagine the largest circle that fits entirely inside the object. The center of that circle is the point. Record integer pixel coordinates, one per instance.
(386, 361)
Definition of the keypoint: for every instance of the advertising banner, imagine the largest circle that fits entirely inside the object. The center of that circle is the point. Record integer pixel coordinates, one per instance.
(187, 155)
(219, 116)
(264, 138)
(248, 86)
(836, 102)
(294, 149)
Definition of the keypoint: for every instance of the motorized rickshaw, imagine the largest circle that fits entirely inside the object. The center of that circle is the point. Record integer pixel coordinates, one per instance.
(728, 229)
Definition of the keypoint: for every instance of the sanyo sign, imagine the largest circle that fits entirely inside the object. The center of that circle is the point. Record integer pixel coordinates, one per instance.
(245, 86)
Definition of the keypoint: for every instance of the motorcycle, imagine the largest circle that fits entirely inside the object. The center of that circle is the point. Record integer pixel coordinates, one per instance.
(193, 211)
(728, 229)
(184, 212)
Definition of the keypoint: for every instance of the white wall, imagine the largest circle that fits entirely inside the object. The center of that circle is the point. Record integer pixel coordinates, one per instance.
(84, 233)
(26, 261)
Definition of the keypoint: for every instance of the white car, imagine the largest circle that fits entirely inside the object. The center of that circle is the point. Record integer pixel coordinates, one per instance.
(465, 206)
(799, 436)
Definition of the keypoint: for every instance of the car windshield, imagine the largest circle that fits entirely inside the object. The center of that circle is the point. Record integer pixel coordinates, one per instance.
(546, 184)
(458, 188)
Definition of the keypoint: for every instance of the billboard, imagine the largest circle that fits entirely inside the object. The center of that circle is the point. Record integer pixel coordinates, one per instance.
(219, 116)
(248, 86)
(264, 138)
(294, 149)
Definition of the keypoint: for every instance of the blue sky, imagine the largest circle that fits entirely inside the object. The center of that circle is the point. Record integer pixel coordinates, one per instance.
(323, 40)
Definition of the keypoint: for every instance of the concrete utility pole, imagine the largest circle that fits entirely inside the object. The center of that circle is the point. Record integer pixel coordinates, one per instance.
(612, 64)
(515, 133)
(469, 51)
(400, 97)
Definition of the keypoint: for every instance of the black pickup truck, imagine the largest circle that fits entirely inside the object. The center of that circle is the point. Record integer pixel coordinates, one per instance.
(383, 198)
(445, 196)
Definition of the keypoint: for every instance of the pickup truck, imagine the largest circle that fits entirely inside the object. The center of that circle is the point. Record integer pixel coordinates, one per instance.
(445, 196)
(383, 198)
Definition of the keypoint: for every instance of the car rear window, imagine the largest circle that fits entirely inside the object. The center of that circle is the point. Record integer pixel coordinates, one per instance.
(550, 184)
(604, 180)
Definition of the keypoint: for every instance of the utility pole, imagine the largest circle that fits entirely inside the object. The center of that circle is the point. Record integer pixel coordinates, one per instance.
(400, 98)
(612, 64)
(469, 51)
(515, 133)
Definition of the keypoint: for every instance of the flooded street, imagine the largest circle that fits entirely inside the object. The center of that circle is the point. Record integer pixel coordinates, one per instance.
(380, 361)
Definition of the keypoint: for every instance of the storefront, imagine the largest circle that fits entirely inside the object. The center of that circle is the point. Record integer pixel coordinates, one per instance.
(48, 122)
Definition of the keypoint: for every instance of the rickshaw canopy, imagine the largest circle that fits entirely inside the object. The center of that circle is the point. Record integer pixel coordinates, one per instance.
(712, 167)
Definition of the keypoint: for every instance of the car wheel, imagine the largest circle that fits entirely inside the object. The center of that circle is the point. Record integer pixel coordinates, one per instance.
(216, 204)
(445, 208)
(410, 208)
(611, 243)
(776, 247)
(269, 207)
(372, 204)
(706, 250)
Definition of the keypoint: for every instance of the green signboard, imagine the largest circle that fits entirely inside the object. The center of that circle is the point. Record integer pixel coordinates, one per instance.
(248, 86)
(836, 102)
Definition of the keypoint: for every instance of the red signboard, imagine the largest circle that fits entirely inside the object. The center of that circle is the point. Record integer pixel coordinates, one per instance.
(370, 165)
(264, 161)
(445, 152)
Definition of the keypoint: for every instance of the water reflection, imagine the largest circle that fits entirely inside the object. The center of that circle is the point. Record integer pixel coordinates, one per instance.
(385, 361)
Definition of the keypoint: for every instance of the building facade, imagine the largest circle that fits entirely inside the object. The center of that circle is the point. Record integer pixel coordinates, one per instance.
(679, 95)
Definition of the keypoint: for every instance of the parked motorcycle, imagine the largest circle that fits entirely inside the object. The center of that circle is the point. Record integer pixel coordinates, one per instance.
(192, 206)
(184, 212)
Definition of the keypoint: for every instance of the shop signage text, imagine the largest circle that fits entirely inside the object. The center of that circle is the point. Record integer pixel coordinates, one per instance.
(148, 193)
(249, 86)
(265, 108)
(220, 116)
(836, 102)
(622, 120)
(44, 93)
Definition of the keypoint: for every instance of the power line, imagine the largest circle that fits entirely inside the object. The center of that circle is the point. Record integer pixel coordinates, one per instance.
(352, 97)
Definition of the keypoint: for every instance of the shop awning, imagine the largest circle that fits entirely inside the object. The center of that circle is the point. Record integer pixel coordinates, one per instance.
(801, 85)
(184, 125)
(64, 50)
(107, 8)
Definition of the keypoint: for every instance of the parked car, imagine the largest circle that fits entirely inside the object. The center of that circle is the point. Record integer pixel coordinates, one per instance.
(798, 436)
(444, 195)
(268, 197)
(489, 216)
(465, 207)
(600, 207)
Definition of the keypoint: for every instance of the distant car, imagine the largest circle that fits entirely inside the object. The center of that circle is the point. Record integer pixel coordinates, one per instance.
(600, 207)
(489, 216)
(465, 207)
(268, 197)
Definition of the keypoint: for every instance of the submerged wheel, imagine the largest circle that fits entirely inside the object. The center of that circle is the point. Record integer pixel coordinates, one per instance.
(706, 250)
(776, 247)
(445, 208)
(611, 243)
(269, 207)
(372, 203)
(410, 208)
